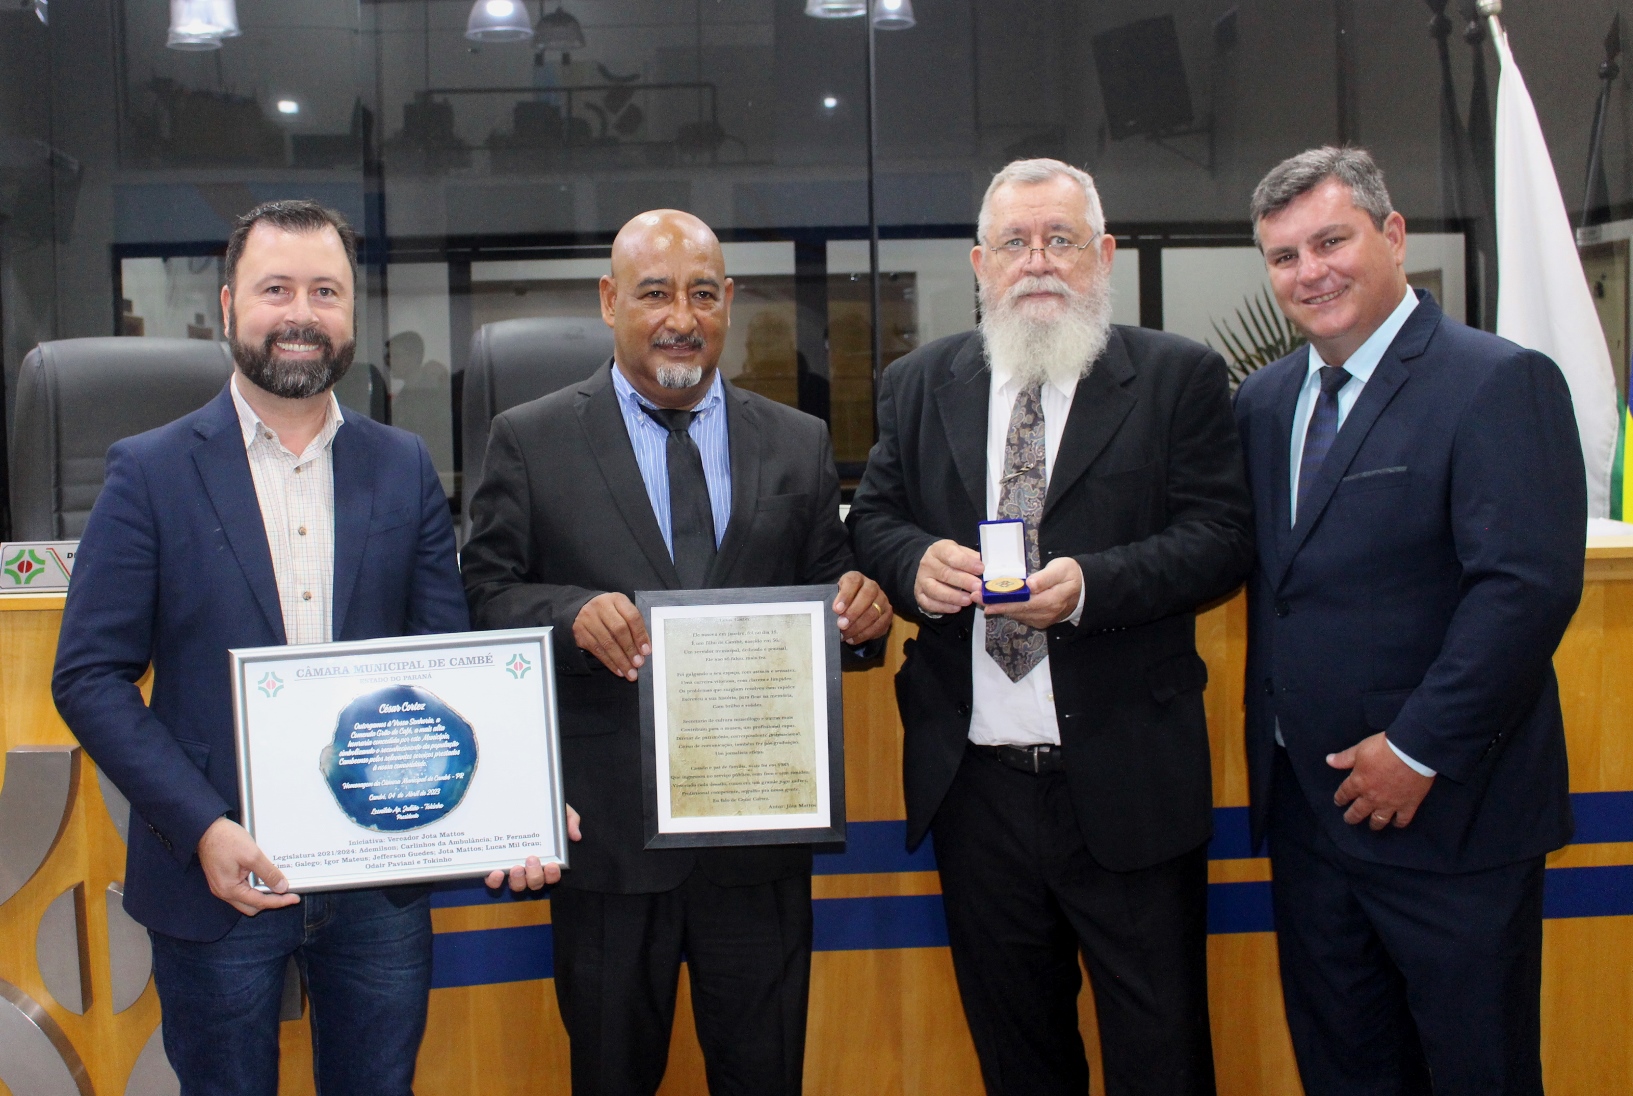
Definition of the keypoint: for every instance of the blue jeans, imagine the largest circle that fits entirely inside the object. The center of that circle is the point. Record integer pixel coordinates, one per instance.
(366, 956)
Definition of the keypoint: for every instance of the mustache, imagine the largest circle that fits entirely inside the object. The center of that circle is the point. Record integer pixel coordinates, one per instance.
(1037, 283)
(693, 341)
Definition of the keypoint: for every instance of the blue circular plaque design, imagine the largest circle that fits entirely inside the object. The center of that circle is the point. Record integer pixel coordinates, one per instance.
(400, 759)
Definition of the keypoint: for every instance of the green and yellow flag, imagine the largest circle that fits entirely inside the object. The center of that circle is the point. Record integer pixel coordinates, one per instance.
(1621, 471)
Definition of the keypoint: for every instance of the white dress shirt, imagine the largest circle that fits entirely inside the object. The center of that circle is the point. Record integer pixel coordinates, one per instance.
(1005, 712)
(297, 498)
(1360, 366)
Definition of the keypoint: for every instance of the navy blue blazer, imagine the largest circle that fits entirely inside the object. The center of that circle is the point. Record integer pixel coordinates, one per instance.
(1434, 567)
(173, 570)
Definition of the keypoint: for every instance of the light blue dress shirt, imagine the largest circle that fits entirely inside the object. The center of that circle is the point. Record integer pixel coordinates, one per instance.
(1360, 365)
(651, 444)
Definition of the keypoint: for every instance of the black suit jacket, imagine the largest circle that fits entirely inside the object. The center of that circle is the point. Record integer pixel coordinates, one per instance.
(1147, 495)
(562, 515)
(1435, 564)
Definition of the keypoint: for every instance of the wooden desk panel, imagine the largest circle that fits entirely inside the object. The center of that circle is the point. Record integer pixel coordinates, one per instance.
(888, 1020)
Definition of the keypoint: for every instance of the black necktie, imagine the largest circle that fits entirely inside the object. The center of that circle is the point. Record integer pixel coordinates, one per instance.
(1323, 429)
(691, 516)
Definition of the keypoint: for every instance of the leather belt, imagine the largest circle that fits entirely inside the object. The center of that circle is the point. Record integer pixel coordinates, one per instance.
(1037, 760)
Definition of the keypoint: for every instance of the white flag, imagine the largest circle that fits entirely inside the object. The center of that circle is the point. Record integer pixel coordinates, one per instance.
(1543, 300)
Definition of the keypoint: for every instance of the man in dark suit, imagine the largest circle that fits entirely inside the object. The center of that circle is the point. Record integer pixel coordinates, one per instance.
(1057, 747)
(1421, 513)
(655, 474)
(266, 517)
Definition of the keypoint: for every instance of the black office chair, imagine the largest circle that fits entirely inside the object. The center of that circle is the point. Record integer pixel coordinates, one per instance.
(75, 398)
(514, 361)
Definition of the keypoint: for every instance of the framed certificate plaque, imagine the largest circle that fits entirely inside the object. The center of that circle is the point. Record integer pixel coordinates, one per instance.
(400, 760)
(742, 718)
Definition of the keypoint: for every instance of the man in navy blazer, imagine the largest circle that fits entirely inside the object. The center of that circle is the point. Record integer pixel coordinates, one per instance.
(1421, 513)
(266, 517)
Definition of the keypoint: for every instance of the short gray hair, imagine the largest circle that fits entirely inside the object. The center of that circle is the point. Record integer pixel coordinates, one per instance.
(1041, 171)
(1297, 175)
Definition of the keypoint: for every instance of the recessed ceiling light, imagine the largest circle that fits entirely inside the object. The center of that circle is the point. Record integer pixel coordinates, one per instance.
(288, 106)
(829, 102)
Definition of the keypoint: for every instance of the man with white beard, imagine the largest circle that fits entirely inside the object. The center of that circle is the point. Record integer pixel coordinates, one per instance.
(1056, 747)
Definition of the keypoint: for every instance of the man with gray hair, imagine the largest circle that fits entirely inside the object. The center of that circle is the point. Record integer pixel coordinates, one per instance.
(1421, 510)
(1056, 746)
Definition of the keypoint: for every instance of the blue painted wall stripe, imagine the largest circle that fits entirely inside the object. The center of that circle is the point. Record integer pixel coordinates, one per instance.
(868, 924)
(1588, 892)
(1239, 907)
(875, 847)
(881, 847)
(488, 956)
(1232, 837)
(1602, 817)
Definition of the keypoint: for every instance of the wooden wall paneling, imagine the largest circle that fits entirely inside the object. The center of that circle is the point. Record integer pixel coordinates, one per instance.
(888, 1021)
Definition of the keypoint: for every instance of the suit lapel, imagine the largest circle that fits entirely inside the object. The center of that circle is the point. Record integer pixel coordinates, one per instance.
(608, 439)
(1386, 380)
(1099, 406)
(1284, 404)
(354, 507)
(963, 402)
(743, 436)
(223, 466)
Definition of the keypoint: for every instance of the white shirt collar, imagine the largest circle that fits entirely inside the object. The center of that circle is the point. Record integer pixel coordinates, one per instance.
(1006, 383)
(250, 424)
(1365, 359)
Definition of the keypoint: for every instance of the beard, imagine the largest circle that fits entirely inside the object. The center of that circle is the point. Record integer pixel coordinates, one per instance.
(679, 376)
(671, 375)
(1061, 348)
(292, 380)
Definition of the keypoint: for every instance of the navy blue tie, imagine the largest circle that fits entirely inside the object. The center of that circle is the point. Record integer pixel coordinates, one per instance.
(1323, 429)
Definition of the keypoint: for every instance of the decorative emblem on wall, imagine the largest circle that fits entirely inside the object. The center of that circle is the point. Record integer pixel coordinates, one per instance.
(130, 955)
(36, 1057)
(59, 949)
(33, 809)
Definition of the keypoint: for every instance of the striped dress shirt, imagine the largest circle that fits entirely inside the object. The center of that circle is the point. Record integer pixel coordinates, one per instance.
(297, 497)
(651, 443)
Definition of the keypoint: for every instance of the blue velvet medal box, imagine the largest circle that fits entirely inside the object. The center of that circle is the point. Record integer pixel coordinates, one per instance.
(1003, 559)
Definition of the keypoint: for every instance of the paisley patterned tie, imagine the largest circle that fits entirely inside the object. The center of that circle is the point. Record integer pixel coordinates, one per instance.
(1014, 646)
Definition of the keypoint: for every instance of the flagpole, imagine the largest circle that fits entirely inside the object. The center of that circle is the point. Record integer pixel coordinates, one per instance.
(1491, 9)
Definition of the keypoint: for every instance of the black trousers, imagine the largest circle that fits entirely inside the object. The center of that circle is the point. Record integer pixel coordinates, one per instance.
(1393, 976)
(748, 951)
(1023, 898)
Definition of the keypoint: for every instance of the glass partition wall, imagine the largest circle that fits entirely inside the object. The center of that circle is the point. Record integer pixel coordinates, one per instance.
(488, 177)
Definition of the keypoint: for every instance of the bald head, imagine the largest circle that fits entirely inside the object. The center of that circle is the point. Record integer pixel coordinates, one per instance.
(668, 302)
(660, 232)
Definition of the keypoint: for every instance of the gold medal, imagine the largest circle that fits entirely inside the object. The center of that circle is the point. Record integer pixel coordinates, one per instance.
(1005, 585)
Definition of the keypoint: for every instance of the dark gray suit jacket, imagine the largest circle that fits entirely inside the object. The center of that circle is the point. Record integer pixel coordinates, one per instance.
(562, 515)
(1147, 494)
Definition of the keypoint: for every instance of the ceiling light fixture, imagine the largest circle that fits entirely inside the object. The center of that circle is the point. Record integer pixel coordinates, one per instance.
(201, 24)
(893, 14)
(498, 21)
(559, 30)
(835, 9)
(288, 106)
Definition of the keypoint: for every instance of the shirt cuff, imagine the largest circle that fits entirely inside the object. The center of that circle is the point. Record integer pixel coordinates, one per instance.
(1415, 766)
(1077, 613)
